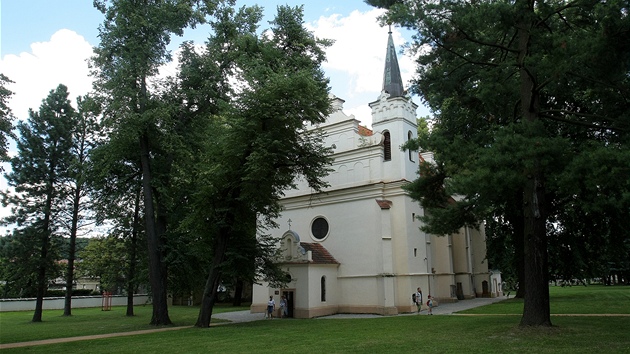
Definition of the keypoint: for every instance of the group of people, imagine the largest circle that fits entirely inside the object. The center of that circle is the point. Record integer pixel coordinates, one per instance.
(417, 299)
(271, 307)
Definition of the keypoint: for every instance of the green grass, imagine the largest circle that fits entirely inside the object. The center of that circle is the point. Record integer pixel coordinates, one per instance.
(17, 326)
(592, 299)
(426, 334)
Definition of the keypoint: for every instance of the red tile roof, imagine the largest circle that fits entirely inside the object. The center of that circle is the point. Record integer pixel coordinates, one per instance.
(320, 254)
(364, 131)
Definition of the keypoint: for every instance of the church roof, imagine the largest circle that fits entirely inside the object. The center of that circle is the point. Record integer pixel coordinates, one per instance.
(392, 81)
(320, 254)
(365, 131)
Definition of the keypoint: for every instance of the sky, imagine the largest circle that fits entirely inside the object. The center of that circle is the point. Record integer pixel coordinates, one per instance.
(47, 42)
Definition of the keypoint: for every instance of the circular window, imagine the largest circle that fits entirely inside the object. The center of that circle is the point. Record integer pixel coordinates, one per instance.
(319, 228)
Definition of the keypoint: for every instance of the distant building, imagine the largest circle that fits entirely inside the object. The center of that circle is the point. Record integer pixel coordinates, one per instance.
(357, 247)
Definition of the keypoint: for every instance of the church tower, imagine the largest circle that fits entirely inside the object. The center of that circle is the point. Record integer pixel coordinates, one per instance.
(394, 116)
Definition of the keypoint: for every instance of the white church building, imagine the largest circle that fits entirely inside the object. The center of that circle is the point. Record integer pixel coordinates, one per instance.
(357, 247)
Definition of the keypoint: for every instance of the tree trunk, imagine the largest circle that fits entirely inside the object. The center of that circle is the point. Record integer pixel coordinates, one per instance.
(238, 293)
(536, 310)
(43, 256)
(209, 296)
(518, 237)
(133, 255)
(41, 278)
(67, 307)
(156, 270)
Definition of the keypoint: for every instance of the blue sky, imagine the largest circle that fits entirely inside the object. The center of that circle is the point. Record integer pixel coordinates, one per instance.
(28, 21)
(46, 42)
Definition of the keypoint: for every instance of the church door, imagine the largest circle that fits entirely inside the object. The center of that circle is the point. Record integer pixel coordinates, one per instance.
(290, 296)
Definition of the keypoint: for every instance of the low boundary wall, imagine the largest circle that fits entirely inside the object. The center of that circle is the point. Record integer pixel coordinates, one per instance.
(57, 303)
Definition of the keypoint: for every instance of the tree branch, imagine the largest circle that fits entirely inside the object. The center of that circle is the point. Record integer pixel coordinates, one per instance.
(583, 124)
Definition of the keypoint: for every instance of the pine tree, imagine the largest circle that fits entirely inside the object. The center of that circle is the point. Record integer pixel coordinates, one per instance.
(523, 93)
(84, 137)
(38, 172)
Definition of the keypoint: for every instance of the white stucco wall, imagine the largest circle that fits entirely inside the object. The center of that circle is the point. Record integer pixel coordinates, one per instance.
(58, 303)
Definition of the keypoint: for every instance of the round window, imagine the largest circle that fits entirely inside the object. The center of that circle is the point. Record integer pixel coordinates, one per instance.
(319, 228)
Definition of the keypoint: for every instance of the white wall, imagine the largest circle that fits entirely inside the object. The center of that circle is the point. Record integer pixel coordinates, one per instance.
(57, 303)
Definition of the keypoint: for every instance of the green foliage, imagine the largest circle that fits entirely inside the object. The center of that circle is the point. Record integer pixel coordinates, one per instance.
(75, 292)
(471, 72)
(6, 117)
(101, 259)
(81, 243)
(19, 260)
(255, 146)
(40, 166)
(134, 37)
(38, 175)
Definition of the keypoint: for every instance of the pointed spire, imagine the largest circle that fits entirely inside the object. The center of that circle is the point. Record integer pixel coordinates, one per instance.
(392, 82)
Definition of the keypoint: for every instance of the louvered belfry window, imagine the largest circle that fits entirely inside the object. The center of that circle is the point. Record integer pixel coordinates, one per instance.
(387, 146)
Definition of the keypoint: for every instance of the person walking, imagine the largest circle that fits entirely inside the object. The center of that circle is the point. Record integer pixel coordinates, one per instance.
(271, 306)
(430, 304)
(283, 307)
(419, 299)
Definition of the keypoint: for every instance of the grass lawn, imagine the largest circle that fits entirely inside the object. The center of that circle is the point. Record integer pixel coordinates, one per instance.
(592, 299)
(427, 334)
(17, 326)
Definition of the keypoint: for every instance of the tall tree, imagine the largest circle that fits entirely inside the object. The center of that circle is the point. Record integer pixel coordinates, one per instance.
(521, 90)
(38, 172)
(84, 134)
(134, 37)
(116, 187)
(260, 143)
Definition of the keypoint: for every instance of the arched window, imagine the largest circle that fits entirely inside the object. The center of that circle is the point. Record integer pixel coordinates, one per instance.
(323, 288)
(387, 146)
(409, 137)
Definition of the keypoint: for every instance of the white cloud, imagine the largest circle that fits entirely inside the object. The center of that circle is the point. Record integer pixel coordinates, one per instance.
(62, 60)
(357, 58)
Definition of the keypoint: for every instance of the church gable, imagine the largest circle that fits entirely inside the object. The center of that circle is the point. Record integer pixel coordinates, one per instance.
(294, 251)
(320, 255)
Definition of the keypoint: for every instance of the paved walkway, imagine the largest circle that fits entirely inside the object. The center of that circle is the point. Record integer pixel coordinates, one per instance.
(246, 316)
(442, 309)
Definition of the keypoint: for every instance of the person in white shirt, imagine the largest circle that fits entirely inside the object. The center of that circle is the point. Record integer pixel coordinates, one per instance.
(419, 299)
(271, 306)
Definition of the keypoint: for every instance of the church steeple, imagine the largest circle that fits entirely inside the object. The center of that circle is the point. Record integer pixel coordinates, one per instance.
(392, 82)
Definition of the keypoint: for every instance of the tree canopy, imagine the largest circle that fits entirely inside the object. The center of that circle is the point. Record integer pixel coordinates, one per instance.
(270, 87)
(37, 175)
(216, 144)
(531, 111)
(134, 38)
(6, 118)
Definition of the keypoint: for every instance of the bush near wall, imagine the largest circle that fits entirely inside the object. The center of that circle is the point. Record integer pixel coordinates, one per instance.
(75, 292)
